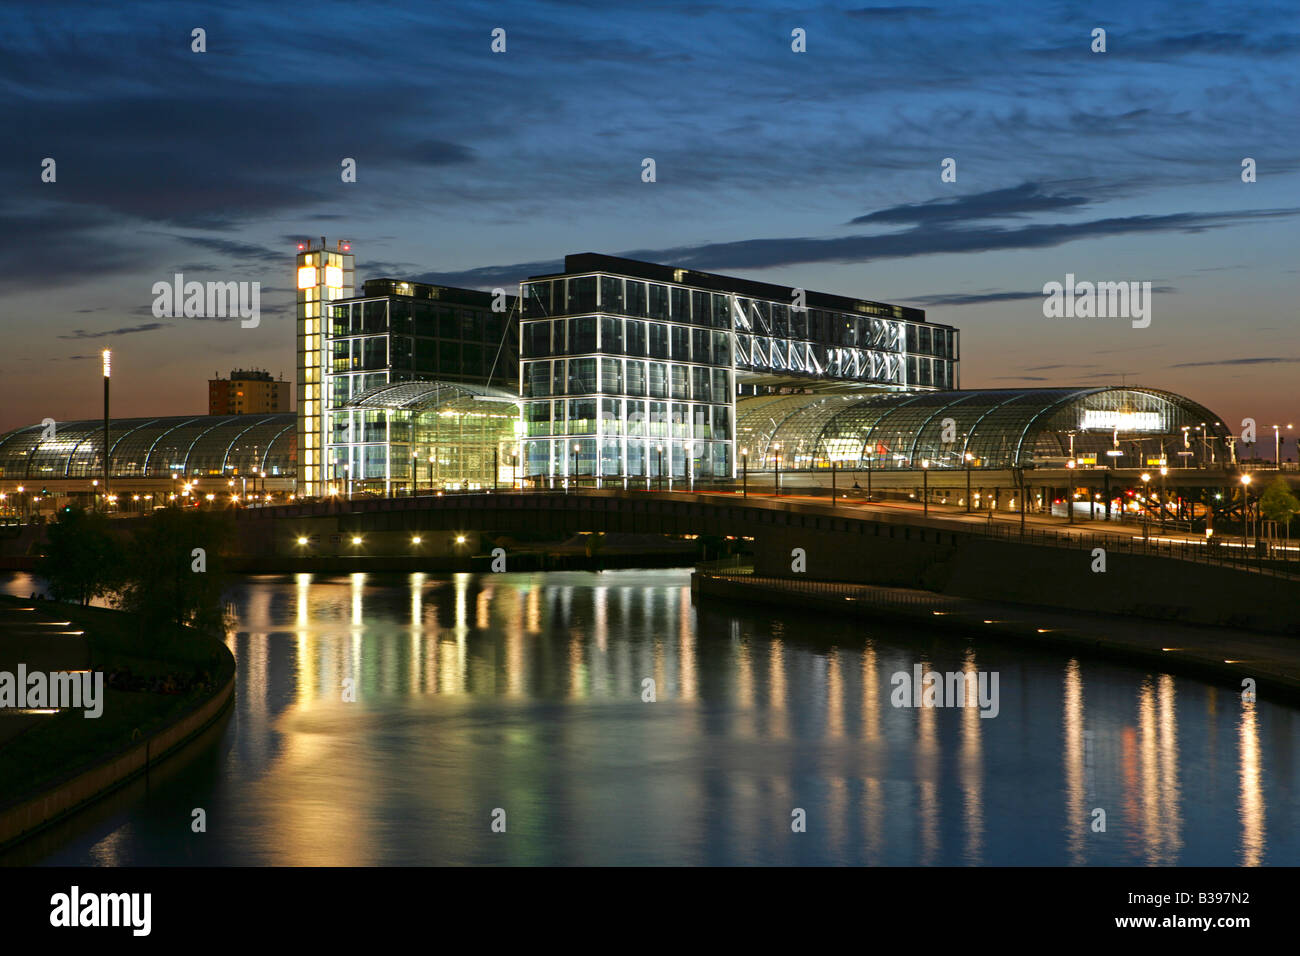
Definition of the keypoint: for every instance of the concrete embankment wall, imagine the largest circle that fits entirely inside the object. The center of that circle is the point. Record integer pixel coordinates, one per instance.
(1007, 570)
(30, 815)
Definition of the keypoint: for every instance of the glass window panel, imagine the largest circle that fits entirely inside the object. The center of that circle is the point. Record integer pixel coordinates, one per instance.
(658, 340)
(582, 294)
(658, 304)
(582, 335)
(611, 335)
(582, 376)
(611, 294)
(611, 376)
(681, 304)
(636, 337)
(680, 382)
(681, 337)
(658, 380)
(636, 297)
(701, 308)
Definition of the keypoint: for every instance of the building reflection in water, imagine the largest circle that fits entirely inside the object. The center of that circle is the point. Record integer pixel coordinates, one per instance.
(1252, 794)
(1078, 815)
(756, 714)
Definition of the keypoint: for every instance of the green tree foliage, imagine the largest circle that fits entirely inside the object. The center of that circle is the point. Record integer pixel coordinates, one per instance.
(82, 559)
(1278, 503)
(174, 572)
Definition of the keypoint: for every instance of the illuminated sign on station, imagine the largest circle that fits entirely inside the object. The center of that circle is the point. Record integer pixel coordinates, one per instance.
(1124, 421)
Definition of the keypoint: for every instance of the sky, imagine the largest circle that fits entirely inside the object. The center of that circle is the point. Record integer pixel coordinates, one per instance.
(818, 169)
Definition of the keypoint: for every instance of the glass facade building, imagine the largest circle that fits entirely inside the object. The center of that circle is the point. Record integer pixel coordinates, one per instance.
(630, 371)
(1122, 427)
(186, 446)
(438, 338)
(322, 275)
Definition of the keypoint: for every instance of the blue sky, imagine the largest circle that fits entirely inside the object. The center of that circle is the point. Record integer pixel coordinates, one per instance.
(817, 169)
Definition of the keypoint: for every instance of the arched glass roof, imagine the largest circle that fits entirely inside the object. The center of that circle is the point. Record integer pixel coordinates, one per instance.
(153, 447)
(997, 428)
(420, 396)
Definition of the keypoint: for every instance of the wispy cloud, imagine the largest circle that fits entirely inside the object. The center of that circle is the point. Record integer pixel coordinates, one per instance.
(128, 330)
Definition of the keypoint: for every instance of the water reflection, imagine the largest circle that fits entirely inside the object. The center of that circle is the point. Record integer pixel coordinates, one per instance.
(527, 692)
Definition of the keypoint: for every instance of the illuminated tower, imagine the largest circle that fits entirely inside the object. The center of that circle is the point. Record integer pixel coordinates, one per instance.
(323, 275)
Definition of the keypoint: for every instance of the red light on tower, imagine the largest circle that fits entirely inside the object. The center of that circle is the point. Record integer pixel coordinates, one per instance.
(347, 247)
(300, 247)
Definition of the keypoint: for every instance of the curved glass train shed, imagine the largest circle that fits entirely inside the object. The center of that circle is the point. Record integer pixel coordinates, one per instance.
(184, 446)
(407, 435)
(1004, 428)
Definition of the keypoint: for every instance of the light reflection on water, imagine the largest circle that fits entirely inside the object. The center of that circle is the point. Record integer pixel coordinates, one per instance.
(524, 692)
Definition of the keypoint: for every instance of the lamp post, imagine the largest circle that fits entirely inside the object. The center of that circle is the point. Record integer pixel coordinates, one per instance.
(1146, 508)
(776, 488)
(1020, 474)
(415, 473)
(870, 459)
(108, 367)
(431, 463)
(832, 482)
(659, 465)
(1069, 492)
(969, 458)
(744, 472)
(573, 477)
(1164, 493)
(1245, 511)
(1277, 442)
(925, 485)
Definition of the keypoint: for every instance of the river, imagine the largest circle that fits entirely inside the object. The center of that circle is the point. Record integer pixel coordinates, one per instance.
(504, 719)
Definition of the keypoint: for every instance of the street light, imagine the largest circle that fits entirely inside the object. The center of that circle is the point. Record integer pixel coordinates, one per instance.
(969, 458)
(744, 472)
(925, 483)
(776, 489)
(108, 368)
(1069, 496)
(1164, 493)
(1277, 444)
(1245, 511)
(573, 472)
(659, 469)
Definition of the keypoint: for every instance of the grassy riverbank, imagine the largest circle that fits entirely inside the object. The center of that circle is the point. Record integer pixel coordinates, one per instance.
(158, 678)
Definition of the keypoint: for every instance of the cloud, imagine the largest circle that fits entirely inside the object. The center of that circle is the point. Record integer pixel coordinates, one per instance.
(1266, 360)
(997, 203)
(147, 327)
(972, 298)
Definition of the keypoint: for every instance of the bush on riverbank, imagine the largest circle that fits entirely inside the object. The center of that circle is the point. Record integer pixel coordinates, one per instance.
(174, 571)
(168, 573)
(82, 560)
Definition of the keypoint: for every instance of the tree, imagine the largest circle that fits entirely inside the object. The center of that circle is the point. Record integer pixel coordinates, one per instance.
(174, 574)
(1278, 503)
(82, 559)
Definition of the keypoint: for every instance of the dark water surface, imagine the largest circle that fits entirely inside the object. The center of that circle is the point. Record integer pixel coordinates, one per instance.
(522, 693)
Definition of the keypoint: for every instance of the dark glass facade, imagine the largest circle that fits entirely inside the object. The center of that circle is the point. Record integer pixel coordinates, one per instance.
(397, 332)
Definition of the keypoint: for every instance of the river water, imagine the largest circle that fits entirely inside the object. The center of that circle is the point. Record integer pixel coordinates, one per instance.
(517, 702)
